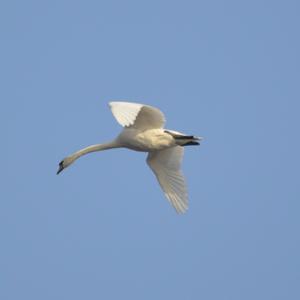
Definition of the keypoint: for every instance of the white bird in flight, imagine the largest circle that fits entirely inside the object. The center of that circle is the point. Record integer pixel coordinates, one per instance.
(143, 131)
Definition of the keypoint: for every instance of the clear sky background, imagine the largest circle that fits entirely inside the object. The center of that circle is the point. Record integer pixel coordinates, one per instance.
(224, 70)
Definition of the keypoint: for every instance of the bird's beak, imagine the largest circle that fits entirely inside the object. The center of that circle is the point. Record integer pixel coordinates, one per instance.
(60, 167)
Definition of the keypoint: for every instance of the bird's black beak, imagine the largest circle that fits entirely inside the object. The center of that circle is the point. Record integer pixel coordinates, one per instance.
(60, 167)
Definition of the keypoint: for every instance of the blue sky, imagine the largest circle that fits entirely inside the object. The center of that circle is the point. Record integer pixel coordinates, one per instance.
(224, 70)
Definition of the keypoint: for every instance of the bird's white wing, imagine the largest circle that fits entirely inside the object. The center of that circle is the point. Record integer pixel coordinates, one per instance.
(166, 166)
(136, 115)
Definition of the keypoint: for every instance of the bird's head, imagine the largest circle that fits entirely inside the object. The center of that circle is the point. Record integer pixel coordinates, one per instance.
(65, 163)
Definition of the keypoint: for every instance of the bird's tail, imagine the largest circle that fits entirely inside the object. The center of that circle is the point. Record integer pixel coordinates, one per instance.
(185, 140)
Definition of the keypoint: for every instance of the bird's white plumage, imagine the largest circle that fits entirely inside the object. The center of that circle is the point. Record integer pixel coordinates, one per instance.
(137, 115)
(125, 112)
(166, 166)
(144, 132)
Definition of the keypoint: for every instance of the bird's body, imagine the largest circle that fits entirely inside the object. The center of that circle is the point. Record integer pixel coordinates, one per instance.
(143, 131)
(145, 141)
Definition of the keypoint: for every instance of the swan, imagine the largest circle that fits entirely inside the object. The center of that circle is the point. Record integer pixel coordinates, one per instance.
(144, 131)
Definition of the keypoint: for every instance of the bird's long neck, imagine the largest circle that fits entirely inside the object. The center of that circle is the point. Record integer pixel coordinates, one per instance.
(97, 147)
(67, 161)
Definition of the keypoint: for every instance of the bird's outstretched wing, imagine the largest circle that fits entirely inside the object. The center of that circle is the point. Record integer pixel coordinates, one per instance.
(136, 115)
(166, 166)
